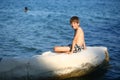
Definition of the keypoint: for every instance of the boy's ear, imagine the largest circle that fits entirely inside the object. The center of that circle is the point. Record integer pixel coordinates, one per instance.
(78, 24)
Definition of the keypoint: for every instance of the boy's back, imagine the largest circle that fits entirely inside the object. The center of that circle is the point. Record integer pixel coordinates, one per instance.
(80, 37)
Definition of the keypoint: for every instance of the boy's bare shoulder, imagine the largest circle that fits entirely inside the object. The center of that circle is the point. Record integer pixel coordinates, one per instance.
(80, 30)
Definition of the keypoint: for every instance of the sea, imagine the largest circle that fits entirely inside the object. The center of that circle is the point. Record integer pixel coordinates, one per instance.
(46, 24)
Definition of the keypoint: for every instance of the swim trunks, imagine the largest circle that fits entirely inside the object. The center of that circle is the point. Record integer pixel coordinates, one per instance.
(76, 48)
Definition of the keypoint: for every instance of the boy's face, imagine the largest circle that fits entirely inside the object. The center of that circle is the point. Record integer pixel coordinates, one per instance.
(75, 25)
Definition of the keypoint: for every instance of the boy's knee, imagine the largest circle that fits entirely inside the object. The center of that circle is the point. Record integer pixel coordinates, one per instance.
(55, 48)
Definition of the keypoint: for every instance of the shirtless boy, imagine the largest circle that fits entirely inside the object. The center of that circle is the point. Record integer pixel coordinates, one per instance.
(78, 42)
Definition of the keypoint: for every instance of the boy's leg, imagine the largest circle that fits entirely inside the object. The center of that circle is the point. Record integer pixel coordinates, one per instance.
(60, 49)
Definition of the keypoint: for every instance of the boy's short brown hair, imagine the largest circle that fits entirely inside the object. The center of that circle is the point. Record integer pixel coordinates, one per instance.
(74, 19)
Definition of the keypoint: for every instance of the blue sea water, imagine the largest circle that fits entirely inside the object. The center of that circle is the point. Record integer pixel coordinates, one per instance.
(46, 24)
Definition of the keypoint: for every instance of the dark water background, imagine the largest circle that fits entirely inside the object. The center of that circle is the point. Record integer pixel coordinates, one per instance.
(46, 24)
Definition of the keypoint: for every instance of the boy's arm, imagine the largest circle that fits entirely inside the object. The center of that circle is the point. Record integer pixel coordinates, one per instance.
(84, 45)
(73, 42)
(72, 48)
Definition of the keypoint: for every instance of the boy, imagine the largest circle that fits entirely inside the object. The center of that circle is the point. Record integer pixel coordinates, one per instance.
(78, 42)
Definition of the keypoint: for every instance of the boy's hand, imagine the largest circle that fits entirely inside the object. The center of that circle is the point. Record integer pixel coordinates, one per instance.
(85, 48)
(70, 52)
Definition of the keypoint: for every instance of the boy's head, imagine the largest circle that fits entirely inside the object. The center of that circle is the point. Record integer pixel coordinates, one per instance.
(74, 21)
